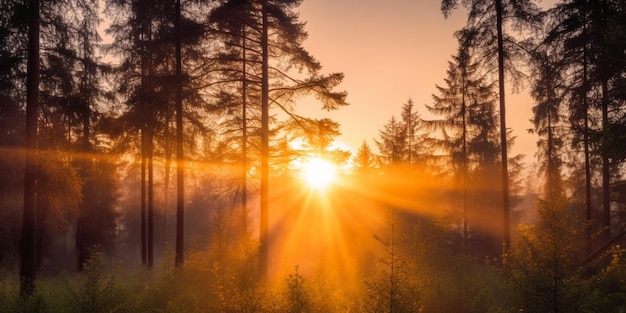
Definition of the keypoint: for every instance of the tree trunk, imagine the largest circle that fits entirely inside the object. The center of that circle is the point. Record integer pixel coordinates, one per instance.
(586, 144)
(27, 244)
(167, 149)
(180, 169)
(506, 236)
(263, 238)
(244, 141)
(144, 254)
(150, 235)
(81, 243)
(606, 175)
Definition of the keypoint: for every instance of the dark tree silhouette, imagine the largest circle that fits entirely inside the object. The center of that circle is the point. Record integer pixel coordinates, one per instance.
(486, 18)
(280, 37)
(468, 125)
(180, 167)
(27, 245)
(548, 92)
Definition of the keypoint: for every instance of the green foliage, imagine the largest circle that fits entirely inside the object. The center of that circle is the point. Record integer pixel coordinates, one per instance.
(395, 285)
(297, 298)
(96, 290)
(541, 265)
(236, 286)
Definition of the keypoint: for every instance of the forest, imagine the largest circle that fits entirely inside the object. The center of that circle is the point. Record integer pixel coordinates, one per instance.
(168, 170)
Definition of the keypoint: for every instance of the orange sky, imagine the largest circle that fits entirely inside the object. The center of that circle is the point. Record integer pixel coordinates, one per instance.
(391, 51)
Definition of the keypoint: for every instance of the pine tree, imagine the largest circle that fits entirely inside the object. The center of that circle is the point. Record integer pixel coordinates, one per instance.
(467, 123)
(279, 51)
(152, 43)
(486, 22)
(548, 91)
(587, 34)
(392, 145)
(416, 145)
(364, 161)
(393, 288)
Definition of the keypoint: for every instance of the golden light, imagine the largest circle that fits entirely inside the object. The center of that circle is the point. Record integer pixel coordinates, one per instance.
(319, 173)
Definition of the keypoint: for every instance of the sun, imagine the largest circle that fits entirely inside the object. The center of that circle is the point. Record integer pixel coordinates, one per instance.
(319, 173)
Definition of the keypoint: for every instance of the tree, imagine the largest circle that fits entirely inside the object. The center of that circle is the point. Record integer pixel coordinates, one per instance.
(27, 245)
(392, 144)
(542, 265)
(278, 49)
(395, 287)
(180, 169)
(415, 137)
(486, 20)
(549, 93)
(574, 35)
(239, 85)
(154, 82)
(404, 141)
(587, 34)
(468, 125)
(364, 161)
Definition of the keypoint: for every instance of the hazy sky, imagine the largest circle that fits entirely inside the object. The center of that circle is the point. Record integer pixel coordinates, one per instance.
(391, 51)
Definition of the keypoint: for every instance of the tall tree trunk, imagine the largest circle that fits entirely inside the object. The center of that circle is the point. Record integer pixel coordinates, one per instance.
(27, 244)
(144, 246)
(263, 238)
(606, 175)
(586, 140)
(144, 136)
(81, 243)
(244, 140)
(464, 172)
(506, 236)
(550, 168)
(180, 169)
(167, 169)
(150, 235)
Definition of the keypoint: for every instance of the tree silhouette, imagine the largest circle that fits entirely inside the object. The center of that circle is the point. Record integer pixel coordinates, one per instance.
(27, 245)
(392, 144)
(364, 161)
(548, 92)
(591, 63)
(278, 49)
(154, 83)
(467, 122)
(486, 20)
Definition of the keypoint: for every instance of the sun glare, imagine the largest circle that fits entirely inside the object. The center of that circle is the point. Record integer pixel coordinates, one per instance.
(319, 173)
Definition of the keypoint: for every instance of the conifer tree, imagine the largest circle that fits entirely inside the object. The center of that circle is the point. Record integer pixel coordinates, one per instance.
(364, 161)
(548, 91)
(153, 84)
(587, 34)
(486, 21)
(278, 50)
(392, 145)
(467, 122)
(416, 139)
